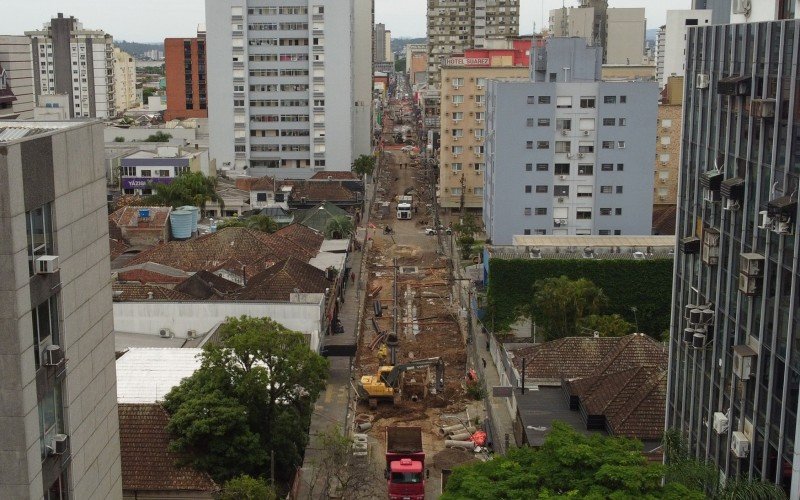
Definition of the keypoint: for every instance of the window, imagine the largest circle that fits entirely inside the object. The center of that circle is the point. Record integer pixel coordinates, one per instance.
(542, 167)
(666, 123)
(528, 189)
(529, 167)
(527, 211)
(527, 232)
(40, 234)
(586, 124)
(544, 99)
(480, 167)
(619, 189)
(586, 169)
(261, 197)
(561, 190)
(586, 147)
(458, 132)
(608, 145)
(478, 150)
(617, 211)
(585, 191)
(455, 191)
(541, 189)
(543, 122)
(587, 102)
(664, 157)
(623, 122)
(607, 167)
(583, 214)
(564, 102)
(458, 116)
(610, 99)
(530, 122)
(563, 124)
(605, 211)
(478, 191)
(542, 145)
(620, 144)
(609, 122)
(531, 99)
(617, 232)
(606, 189)
(541, 211)
(623, 99)
(45, 328)
(457, 150)
(562, 169)
(620, 167)
(529, 145)
(456, 167)
(458, 99)
(563, 147)
(51, 416)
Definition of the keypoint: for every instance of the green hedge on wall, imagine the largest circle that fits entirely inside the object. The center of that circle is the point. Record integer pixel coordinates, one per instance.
(645, 284)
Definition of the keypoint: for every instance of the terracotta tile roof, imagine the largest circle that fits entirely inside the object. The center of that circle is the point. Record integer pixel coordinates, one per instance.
(664, 219)
(319, 191)
(129, 217)
(241, 247)
(148, 277)
(136, 292)
(116, 247)
(206, 285)
(147, 462)
(284, 278)
(335, 175)
(575, 357)
(263, 184)
(308, 240)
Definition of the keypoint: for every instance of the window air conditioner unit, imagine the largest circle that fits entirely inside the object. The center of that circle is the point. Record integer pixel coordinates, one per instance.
(740, 445)
(699, 339)
(47, 264)
(751, 264)
(741, 7)
(165, 333)
(731, 204)
(762, 108)
(720, 423)
(749, 285)
(53, 356)
(585, 132)
(563, 177)
(743, 357)
(58, 446)
(702, 81)
(564, 132)
(561, 199)
(580, 155)
(192, 334)
(661, 197)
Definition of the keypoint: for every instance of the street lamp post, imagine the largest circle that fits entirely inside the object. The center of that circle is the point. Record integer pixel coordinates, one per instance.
(635, 317)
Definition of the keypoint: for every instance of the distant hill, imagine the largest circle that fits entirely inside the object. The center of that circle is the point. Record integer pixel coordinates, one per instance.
(399, 44)
(137, 49)
(651, 34)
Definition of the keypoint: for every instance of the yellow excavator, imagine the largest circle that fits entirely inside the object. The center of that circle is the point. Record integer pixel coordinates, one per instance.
(384, 385)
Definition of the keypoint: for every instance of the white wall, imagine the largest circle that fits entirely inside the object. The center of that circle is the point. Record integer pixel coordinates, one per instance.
(362, 77)
(761, 10)
(675, 40)
(339, 98)
(140, 134)
(180, 317)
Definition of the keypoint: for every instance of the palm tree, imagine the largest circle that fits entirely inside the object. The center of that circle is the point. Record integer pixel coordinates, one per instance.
(683, 469)
(263, 223)
(339, 227)
(190, 188)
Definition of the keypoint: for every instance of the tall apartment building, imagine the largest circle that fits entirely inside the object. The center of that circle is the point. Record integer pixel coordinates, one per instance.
(463, 119)
(567, 153)
(457, 25)
(671, 55)
(185, 70)
(71, 60)
(734, 382)
(621, 32)
(417, 63)
(15, 59)
(379, 42)
(124, 81)
(57, 363)
(286, 88)
(668, 143)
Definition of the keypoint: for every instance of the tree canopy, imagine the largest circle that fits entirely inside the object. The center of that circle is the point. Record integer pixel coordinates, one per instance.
(560, 303)
(339, 227)
(189, 188)
(263, 223)
(364, 165)
(567, 465)
(607, 325)
(247, 488)
(158, 137)
(253, 395)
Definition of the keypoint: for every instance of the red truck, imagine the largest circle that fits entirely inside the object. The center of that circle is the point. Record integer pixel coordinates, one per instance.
(405, 463)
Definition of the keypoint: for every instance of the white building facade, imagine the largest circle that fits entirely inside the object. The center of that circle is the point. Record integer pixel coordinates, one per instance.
(282, 93)
(124, 81)
(671, 54)
(71, 60)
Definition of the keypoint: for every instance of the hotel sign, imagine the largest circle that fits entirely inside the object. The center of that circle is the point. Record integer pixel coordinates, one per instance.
(467, 61)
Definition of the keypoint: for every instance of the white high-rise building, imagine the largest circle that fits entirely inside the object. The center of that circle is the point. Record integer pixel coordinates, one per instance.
(671, 54)
(71, 60)
(124, 81)
(284, 82)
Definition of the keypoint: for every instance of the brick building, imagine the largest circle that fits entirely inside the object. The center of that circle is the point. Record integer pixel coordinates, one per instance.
(185, 69)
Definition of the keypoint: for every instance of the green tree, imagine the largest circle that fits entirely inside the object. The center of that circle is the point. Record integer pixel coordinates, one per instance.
(683, 469)
(119, 139)
(560, 303)
(465, 242)
(364, 165)
(339, 227)
(467, 226)
(252, 397)
(609, 325)
(158, 137)
(147, 92)
(190, 188)
(567, 465)
(263, 223)
(247, 488)
(400, 65)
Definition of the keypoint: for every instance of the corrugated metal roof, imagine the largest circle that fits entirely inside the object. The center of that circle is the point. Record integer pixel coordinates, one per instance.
(8, 134)
(594, 240)
(146, 375)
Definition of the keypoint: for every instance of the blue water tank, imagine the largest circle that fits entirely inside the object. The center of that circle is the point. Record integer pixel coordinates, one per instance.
(181, 223)
(144, 213)
(195, 215)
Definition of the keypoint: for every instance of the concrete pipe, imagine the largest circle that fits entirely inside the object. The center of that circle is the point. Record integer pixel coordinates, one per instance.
(461, 436)
(365, 426)
(448, 429)
(467, 445)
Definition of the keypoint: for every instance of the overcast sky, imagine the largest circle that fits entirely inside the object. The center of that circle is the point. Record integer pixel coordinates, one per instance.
(154, 20)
